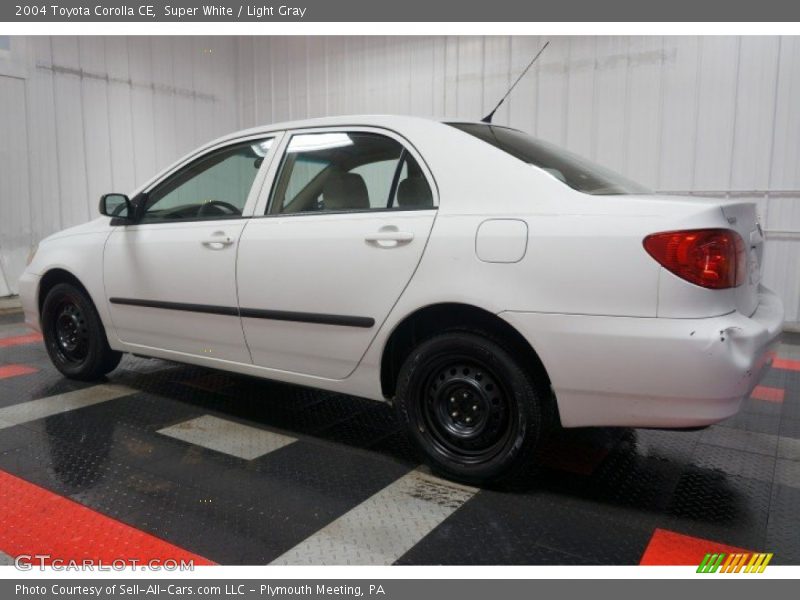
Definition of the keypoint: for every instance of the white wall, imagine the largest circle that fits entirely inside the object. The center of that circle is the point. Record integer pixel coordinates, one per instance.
(86, 115)
(710, 115)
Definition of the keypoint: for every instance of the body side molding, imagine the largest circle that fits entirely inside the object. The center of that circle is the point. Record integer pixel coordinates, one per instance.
(251, 313)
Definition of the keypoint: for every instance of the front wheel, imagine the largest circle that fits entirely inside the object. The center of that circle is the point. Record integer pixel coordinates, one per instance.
(475, 414)
(74, 335)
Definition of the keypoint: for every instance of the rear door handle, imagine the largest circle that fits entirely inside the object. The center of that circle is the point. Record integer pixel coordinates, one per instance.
(217, 241)
(389, 238)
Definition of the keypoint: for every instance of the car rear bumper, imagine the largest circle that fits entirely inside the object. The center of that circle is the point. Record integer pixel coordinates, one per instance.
(653, 372)
(28, 289)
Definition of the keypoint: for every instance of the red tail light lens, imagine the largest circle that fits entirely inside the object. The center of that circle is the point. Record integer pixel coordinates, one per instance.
(711, 258)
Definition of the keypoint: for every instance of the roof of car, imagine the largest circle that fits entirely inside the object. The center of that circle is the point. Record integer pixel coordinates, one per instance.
(382, 120)
(378, 120)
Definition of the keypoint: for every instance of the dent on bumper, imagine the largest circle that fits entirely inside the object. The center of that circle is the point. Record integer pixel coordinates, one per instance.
(652, 372)
(28, 288)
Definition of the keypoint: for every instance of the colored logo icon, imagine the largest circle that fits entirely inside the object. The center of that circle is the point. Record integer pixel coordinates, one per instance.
(734, 563)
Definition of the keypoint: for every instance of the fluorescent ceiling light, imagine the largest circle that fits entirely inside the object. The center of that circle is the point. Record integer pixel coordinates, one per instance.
(261, 148)
(313, 142)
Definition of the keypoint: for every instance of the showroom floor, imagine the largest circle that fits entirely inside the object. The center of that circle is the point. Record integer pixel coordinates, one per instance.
(165, 460)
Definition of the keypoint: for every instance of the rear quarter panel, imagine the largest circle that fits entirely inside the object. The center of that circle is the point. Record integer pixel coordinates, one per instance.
(584, 253)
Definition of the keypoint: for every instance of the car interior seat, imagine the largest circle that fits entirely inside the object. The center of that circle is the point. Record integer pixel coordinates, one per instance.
(345, 191)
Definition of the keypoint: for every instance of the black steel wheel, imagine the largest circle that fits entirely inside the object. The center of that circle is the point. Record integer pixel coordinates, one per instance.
(472, 411)
(466, 409)
(70, 332)
(74, 335)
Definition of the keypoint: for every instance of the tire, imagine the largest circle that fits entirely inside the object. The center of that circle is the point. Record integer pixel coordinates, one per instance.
(74, 335)
(472, 411)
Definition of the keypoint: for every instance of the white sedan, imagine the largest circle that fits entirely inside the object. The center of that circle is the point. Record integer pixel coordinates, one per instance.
(489, 284)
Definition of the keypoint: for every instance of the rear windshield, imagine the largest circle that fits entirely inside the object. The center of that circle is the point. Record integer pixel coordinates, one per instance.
(575, 171)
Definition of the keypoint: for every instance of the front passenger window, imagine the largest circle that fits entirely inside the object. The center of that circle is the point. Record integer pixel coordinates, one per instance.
(214, 186)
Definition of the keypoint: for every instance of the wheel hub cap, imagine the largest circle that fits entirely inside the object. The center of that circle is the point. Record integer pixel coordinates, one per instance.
(465, 410)
(71, 334)
(68, 331)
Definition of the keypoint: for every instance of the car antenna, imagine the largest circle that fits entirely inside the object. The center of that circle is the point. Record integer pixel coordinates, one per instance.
(488, 118)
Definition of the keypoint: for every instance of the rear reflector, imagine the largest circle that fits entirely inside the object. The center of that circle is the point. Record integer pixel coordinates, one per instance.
(710, 258)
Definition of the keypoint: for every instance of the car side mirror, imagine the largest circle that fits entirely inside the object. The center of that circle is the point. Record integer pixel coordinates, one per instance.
(116, 206)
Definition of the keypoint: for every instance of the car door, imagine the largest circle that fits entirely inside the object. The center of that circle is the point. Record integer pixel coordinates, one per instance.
(347, 219)
(170, 278)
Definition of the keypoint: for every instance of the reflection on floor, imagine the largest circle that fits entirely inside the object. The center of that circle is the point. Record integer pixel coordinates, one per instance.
(165, 459)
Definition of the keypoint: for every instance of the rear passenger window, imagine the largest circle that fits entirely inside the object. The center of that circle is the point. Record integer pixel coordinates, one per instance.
(346, 172)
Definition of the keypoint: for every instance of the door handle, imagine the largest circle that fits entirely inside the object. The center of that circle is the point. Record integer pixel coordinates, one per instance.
(217, 241)
(389, 238)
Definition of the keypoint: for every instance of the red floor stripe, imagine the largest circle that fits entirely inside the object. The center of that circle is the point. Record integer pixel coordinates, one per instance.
(786, 363)
(7, 371)
(670, 548)
(768, 394)
(34, 521)
(28, 338)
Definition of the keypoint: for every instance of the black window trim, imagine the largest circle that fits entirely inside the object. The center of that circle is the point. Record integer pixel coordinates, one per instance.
(396, 179)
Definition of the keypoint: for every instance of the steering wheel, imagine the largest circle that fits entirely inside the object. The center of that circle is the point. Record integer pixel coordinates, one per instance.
(226, 206)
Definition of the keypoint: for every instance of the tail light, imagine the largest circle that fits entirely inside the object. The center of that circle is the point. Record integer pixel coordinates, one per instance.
(710, 258)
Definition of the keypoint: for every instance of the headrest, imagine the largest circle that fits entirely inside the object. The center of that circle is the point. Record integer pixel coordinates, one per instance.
(414, 192)
(345, 191)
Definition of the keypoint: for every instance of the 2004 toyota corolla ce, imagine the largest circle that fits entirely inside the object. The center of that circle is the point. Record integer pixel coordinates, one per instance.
(485, 282)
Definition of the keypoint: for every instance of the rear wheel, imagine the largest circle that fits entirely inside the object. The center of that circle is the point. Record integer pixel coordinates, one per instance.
(473, 412)
(74, 335)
